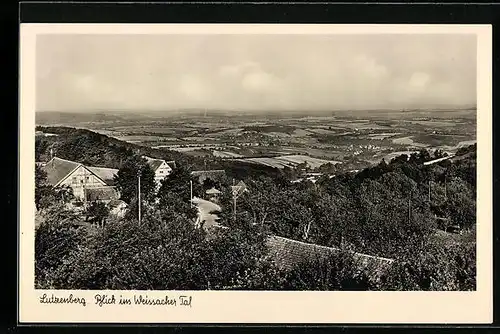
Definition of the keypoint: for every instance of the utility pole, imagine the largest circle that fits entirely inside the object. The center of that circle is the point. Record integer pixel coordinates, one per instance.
(139, 197)
(234, 206)
(191, 189)
(409, 208)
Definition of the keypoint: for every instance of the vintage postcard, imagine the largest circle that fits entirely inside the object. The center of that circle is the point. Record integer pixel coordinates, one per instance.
(216, 173)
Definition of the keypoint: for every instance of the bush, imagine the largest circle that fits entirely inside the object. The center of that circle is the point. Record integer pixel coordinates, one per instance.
(56, 239)
(440, 268)
(341, 271)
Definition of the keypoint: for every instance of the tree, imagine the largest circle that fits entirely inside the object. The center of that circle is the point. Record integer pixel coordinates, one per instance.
(461, 203)
(438, 268)
(42, 189)
(127, 179)
(97, 212)
(335, 272)
(178, 183)
(56, 238)
(46, 195)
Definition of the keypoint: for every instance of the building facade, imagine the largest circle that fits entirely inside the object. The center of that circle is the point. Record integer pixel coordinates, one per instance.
(161, 169)
(80, 178)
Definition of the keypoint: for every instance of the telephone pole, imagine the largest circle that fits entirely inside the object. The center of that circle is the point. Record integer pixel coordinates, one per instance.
(234, 206)
(139, 197)
(191, 190)
(409, 208)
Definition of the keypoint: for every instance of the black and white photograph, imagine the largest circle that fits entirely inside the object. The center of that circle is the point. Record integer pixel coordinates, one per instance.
(283, 165)
(255, 162)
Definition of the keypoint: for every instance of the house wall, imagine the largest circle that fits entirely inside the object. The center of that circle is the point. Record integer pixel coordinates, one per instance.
(81, 178)
(162, 172)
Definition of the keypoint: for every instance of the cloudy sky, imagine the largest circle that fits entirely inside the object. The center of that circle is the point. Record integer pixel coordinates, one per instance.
(256, 72)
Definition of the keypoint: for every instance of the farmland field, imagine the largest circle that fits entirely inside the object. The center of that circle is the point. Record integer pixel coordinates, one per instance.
(361, 137)
(288, 161)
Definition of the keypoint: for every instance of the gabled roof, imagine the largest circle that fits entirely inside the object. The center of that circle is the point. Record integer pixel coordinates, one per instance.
(208, 172)
(239, 188)
(105, 174)
(116, 202)
(154, 163)
(287, 252)
(171, 164)
(58, 169)
(213, 191)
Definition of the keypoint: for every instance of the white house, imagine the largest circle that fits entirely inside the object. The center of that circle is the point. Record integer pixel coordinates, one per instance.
(161, 169)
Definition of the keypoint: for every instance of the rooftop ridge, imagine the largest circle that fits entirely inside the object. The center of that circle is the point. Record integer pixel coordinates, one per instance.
(75, 162)
(332, 248)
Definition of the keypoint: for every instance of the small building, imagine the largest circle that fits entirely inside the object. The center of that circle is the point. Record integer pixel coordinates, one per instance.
(161, 169)
(213, 194)
(214, 175)
(239, 188)
(117, 208)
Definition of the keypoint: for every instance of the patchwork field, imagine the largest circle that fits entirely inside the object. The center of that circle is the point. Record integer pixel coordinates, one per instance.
(289, 161)
(357, 137)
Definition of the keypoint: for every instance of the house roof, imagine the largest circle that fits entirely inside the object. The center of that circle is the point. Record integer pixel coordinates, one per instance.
(154, 163)
(239, 188)
(57, 169)
(106, 174)
(101, 194)
(172, 164)
(213, 191)
(287, 252)
(214, 174)
(208, 172)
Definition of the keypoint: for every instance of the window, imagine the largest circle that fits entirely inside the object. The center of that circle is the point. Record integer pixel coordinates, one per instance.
(73, 180)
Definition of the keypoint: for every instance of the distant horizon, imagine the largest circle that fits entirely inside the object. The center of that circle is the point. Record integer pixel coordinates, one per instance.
(136, 111)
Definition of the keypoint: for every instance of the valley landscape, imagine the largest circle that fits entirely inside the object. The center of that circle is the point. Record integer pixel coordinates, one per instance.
(354, 139)
(292, 162)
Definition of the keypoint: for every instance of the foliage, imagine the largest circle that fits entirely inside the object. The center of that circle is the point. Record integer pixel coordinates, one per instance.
(127, 179)
(46, 195)
(97, 212)
(385, 210)
(438, 268)
(341, 271)
(55, 240)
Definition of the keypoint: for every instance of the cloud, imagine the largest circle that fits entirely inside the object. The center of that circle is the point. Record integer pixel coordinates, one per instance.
(89, 72)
